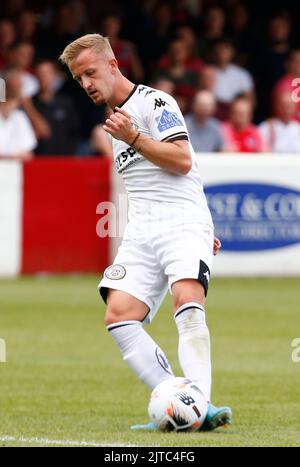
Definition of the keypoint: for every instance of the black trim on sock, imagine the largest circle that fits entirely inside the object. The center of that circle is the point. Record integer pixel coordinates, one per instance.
(111, 328)
(188, 308)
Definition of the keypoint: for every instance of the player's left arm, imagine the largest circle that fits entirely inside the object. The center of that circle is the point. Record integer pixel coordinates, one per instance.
(172, 156)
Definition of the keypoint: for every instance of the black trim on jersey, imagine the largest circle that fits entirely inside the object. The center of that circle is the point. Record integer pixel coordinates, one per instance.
(178, 135)
(188, 308)
(103, 291)
(177, 138)
(129, 96)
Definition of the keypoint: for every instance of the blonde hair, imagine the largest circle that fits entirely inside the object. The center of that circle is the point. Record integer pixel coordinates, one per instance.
(95, 42)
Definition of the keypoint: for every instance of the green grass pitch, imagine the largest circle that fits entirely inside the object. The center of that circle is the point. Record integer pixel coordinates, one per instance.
(64, 379)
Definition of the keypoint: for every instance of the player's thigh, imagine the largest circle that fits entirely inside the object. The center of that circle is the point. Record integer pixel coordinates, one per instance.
(186, 258)
(139, 280)
(121, 306)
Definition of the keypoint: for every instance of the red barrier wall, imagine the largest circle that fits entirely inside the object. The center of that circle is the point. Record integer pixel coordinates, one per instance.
(59, 215)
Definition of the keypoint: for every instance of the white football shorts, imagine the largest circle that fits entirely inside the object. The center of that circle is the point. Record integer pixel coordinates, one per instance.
(157, 251)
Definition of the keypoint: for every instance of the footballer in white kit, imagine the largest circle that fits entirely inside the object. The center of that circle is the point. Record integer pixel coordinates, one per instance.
(170, 232)
(168, 241)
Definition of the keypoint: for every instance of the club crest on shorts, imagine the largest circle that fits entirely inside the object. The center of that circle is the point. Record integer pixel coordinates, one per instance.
(115, 272)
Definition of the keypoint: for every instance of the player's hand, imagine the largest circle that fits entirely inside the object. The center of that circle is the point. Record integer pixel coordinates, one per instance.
(217, 246)
(119, 126)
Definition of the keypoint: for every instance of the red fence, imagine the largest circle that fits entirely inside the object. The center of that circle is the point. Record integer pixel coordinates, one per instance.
(60, 197)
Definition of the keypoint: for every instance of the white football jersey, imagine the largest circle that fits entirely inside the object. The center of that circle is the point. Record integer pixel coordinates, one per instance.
(156, 114)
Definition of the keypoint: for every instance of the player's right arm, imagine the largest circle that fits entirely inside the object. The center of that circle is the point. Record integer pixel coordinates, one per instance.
(173, 156)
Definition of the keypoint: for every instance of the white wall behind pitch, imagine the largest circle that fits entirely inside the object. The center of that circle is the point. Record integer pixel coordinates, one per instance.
(10, 217)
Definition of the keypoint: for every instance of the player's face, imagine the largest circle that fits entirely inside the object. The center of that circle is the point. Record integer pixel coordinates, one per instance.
(95, 74)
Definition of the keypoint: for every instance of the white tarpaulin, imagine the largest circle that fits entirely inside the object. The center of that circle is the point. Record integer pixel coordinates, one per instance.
(10, 217)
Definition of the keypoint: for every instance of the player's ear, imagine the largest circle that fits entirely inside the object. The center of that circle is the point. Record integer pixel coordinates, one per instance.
(113, 63)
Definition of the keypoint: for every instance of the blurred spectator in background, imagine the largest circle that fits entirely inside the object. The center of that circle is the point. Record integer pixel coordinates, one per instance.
(231, 80)
(21, 56)
(17, 139)
(164, 84)
(240, 33)
(89, 114)
(213, 28)
(204, 130)
(180, 49)
(125, 51)
(282, 132)
(287, 83)
(27, 26)
(268, 64)
(12, 8)
(175, 67)
(239, 134)
(207, 78)
(101, 142)
(187, 34)
(158, 34)
(58, 111)
(69, 23)
(7, 38)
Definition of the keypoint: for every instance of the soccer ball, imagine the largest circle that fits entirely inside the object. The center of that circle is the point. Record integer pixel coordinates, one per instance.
(177, 404)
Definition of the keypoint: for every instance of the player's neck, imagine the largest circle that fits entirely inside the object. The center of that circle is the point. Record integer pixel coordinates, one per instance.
(123, 89)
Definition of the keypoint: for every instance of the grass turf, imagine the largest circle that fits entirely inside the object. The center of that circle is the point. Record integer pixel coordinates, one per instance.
(64, 378)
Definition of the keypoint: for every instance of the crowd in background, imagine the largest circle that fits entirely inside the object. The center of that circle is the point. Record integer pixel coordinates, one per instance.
(232, 68)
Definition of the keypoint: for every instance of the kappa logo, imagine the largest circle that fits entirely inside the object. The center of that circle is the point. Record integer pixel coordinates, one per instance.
(149, 92)
(168, 120)
(159, 103)
(143, 88)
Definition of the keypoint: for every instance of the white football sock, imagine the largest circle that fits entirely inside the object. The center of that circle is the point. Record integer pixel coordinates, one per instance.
(194, 345)
(140, 352)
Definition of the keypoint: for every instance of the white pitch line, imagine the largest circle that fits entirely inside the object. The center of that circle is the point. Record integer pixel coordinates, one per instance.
(12, 439)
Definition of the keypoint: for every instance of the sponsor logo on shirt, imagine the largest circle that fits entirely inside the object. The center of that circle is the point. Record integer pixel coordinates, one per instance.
(168, 120)
(127, 158)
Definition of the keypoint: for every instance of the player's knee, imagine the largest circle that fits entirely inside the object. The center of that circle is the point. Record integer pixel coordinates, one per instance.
(183, 298)
(187, 291)
(114, 315)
